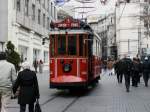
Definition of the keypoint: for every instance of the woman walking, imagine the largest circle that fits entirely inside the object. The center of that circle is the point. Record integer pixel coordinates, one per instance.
(28, 88)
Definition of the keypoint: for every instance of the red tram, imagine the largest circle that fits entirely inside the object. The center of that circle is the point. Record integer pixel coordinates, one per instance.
(75, 55)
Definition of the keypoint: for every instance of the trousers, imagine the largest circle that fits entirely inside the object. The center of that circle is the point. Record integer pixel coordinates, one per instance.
(5, 95)
(127, 81)
(23, 107)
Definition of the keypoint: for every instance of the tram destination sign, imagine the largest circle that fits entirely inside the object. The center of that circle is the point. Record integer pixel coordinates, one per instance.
(68, 23)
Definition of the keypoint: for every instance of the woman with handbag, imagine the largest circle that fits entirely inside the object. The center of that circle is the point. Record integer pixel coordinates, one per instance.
(28, 88)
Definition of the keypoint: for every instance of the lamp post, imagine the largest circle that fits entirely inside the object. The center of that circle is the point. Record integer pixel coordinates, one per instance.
(2, 44)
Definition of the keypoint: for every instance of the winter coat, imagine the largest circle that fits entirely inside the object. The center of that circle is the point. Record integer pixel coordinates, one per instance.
(136, 67)
(110, 65)
(7, 74)
(146, 67)
(28, 87)
(127, 65)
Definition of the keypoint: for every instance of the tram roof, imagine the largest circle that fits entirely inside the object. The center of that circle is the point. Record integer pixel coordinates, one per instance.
(69, 31)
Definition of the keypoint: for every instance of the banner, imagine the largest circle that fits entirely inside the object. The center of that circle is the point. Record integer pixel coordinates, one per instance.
(59, 2)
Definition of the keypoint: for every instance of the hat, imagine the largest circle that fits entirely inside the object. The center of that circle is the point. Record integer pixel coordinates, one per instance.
(146, 58)
(2, 56)
(26, 65)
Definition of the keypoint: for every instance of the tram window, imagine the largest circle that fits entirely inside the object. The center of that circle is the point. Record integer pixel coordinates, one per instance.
(61, 44)
(52, 46)
(81, 45)
(72, 45)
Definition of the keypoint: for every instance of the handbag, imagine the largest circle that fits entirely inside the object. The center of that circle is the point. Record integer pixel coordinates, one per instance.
(37, 107)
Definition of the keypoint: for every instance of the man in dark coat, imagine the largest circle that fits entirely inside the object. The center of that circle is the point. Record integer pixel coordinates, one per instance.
(127, 65)
(28, 88)
(135, 72)
(146, 71)
(119, 70)
(35, 65)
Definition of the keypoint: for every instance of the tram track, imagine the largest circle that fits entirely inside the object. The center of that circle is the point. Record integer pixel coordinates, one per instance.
(51, 100)
(70, 104)
(47, 101)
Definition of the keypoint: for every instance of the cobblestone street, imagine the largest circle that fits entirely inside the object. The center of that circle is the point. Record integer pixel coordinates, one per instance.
(107, 96)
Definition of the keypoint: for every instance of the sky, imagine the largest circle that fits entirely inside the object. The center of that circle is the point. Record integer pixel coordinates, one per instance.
(98, 7)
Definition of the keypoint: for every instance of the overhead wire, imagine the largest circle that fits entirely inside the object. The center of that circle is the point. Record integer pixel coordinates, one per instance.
(122, 12)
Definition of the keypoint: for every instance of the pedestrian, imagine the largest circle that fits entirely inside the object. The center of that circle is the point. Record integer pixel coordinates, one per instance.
(41, 66)
(35, 65)
(146, 71)
(7, 78)
(25, 62)
(28, 88)
(119, 70)
(140, 70)
(105, 65)
(135, 72)
(127, 70)
(110, 67)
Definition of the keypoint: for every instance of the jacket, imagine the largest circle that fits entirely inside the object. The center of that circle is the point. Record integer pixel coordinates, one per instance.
(7, 74)
(127, 65)
(28, 85)
(146, 67)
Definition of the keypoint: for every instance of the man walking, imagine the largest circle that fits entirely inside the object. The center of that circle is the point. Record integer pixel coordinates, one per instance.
(135, 72)
(35, 65)
(127, 64)
(118, 69)
(7, 78)
(146, 71)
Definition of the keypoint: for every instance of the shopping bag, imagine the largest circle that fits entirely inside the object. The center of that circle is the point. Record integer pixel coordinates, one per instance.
(37, 107)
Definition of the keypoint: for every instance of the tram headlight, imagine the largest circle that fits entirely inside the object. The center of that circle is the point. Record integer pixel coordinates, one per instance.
(67, 67)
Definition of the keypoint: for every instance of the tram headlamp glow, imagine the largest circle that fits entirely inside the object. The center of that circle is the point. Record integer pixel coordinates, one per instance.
(67, 67)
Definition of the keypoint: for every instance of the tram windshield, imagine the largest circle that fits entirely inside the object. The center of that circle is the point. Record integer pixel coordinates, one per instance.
(61, 44)
(72, 45)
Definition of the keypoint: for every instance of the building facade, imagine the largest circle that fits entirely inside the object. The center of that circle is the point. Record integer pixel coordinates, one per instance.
(131, 39)
(111, 36)
(104, 25)
(27, 23)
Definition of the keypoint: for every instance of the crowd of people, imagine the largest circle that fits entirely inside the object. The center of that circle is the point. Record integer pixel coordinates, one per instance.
(131, 69)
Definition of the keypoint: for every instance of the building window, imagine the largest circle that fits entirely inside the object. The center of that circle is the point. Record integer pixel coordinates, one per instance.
(33, 12)
(45, 57)
(43, 20)
(48, 5)
(39, 16)
(43, 3)
(18, 5)
(26, 7)
(48, 23)
(51, 9)
(54, 13)
(39, 1)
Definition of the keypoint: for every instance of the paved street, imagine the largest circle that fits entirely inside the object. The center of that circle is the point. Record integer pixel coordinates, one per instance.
(107, 96)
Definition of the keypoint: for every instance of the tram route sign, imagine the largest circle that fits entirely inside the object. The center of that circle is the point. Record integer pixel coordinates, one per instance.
(68, 23)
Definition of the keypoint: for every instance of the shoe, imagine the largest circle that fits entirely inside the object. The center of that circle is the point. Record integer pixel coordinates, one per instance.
(127, 90)
(136, 86)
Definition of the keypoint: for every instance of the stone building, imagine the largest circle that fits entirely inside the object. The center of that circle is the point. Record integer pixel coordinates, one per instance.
(25, 23)
(130, 28)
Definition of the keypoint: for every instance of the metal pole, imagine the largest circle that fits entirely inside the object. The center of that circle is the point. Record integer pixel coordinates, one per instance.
(0, 102)
(128, 46)
(2, 43)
